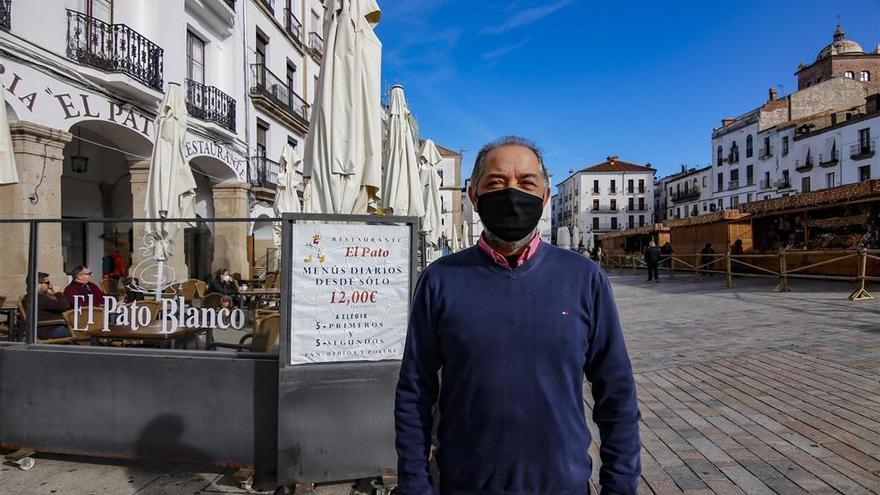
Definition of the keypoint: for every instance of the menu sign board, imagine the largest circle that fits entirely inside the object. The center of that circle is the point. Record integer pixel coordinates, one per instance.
(350, 292)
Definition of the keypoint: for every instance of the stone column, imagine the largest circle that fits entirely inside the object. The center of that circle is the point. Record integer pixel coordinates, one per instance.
(230, 238)
(140, 171)
(39, 155)
(143, 268)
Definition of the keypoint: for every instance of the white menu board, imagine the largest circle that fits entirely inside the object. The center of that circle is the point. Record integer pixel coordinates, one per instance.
(350, 292)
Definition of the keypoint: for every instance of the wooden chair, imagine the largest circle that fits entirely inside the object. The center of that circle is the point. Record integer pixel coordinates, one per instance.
(212, 300)
(81, 332)
(265, 312)
(201, 288)
(263, 338)
(189, 290)
(155, 308)
(110, 286)
(22, 313)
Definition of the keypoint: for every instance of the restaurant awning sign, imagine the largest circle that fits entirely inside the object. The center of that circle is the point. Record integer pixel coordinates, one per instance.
(350, 291)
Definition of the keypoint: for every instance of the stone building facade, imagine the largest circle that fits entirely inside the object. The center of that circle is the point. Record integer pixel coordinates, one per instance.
(842, 58)
(83, 80)
(612, 195)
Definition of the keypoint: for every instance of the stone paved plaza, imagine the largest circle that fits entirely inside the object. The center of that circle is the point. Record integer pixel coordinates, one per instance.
(742, 390)
(745, 390)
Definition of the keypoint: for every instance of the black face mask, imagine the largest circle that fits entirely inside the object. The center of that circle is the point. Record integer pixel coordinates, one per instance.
(510, 213)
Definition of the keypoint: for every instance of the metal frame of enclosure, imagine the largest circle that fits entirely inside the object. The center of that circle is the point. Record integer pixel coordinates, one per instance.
(176, 405)
(322, 422)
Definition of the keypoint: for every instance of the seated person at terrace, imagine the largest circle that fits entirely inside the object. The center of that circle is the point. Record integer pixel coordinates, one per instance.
(222, 283)
(50, 307)
(82, 285)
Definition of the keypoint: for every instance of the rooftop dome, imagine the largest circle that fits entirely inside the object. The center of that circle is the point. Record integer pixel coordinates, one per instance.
(840, 46)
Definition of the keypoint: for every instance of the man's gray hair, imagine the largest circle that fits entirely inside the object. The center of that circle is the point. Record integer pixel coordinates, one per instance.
(480, 162)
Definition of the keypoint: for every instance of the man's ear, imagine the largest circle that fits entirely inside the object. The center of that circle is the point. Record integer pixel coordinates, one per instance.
(472, 194)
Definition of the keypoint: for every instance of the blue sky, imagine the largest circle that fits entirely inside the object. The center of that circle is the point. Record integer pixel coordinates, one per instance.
(643, 80)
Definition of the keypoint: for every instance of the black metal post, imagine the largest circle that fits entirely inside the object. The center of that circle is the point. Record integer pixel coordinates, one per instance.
(31, 297)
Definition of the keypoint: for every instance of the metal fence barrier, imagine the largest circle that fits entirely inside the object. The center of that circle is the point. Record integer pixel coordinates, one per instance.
(699, 264)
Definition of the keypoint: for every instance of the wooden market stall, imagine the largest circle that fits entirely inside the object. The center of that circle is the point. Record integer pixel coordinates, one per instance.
(688, 236)
(825, 226)
(635, 240)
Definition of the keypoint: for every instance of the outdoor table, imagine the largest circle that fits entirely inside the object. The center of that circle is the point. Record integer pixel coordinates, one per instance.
(152, 332)
(11, 313)
(261, 292)
(251, 296)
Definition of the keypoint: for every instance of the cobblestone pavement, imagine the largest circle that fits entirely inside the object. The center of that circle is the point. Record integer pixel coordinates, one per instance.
(742, 391)
(747, 391)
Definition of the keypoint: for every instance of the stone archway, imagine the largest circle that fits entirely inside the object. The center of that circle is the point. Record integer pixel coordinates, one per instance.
(96, 182)
(228, 200)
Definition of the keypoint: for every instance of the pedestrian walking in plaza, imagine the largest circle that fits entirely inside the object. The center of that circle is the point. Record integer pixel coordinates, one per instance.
(707, 258)
(512, 326)
(667, 252)
(652, 259)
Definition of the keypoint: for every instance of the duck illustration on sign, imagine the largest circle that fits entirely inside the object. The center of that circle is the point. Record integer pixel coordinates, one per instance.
(315, 249)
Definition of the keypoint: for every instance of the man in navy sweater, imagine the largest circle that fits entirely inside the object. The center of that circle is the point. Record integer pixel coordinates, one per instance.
(513, 326)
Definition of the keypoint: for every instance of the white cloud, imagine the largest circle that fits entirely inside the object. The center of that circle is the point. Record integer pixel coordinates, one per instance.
(527, 16)
(497, 53)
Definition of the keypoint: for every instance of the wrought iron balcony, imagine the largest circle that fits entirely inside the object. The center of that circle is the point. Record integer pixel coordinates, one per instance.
(269, 4)
(6, 14)
(734, 184)
(293, 26)
(266, 84)
(316, 43)
(782, 184)
(862, 150)
(210, 104)
(804, 166)
(766, 153)
(686, 195)
(733, 158)
(114, 48)
(830, 159)
(263, 172)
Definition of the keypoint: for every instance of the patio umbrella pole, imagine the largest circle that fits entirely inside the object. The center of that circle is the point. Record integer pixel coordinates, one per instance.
(423, 249)
(159, 269)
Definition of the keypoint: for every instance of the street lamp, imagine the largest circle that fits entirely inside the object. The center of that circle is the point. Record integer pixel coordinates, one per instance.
(79, 163)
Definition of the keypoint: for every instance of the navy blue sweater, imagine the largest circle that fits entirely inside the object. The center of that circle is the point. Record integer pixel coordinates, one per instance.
(512, 348)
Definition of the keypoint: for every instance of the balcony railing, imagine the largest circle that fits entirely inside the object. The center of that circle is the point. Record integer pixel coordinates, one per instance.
(268, 84)
(293, 26)
(269, 4)
(765, 153)
(734, 184)
(731, 158)
(6, 14)
(316, 43)
(263, 172)
(830, 159)
(114, 48)
(804, 166)
(782, 184)
(612, 190)
(861, 150)
(686, 195)
(210, 104)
